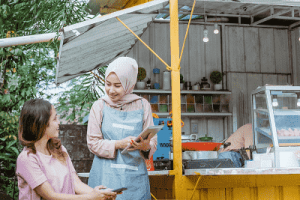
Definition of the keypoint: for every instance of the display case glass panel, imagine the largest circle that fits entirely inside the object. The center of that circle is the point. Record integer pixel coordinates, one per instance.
(286, 115)
(282, 107)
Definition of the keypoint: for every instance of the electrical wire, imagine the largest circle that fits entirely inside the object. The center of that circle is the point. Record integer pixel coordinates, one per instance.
(153, 196)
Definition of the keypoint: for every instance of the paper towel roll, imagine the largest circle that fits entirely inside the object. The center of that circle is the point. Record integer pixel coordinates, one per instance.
(167, 80)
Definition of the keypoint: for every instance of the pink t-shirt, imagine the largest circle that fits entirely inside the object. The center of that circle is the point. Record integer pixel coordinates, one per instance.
(33, 170)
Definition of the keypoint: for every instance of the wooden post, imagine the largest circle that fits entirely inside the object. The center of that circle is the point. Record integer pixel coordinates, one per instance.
(176, 104)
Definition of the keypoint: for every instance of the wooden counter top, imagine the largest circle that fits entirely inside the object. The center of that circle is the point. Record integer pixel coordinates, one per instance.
(242, 171)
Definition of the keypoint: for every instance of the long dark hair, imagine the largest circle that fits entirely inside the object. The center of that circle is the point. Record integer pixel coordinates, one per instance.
(33, 122)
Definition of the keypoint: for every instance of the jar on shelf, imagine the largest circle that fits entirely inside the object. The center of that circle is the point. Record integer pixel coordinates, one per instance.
(204, 84)
(156, 72)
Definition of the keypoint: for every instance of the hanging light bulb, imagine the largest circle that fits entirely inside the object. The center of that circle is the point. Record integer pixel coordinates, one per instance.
(205, 38)
(216, 31)
(275, 102)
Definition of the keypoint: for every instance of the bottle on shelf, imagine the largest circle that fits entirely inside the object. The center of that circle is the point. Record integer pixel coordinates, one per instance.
(156, 72)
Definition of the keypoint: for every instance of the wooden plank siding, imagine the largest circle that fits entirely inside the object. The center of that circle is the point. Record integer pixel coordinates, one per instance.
(253, 56)
(236, 49)
(296, 56)
(252, 51)
(266, 59)
(251, 187)
(281, 51)
(267, 52)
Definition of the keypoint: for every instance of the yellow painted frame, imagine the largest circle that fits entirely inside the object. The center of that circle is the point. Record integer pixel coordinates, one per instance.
(181, 182)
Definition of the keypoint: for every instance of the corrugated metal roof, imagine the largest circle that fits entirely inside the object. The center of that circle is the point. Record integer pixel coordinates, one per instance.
(102, 39)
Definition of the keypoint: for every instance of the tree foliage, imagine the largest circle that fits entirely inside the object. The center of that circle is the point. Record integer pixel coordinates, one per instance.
(75, 104)
(27, 71)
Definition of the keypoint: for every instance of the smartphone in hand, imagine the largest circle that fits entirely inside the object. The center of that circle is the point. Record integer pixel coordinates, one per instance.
(119, 190)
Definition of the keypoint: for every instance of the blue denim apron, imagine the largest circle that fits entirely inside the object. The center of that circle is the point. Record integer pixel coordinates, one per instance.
(125, 170)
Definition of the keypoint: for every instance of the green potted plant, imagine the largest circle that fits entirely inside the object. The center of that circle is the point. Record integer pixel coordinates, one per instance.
(216, 78)
(140, 77)
(181, 82)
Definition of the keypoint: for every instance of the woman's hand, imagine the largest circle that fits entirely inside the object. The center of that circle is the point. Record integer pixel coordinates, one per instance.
(100, 193)
(121, 144)
(143, 145)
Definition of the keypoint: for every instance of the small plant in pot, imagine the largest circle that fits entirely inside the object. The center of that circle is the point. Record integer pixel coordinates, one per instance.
(216, 77)
(181, 82)
(140, 77)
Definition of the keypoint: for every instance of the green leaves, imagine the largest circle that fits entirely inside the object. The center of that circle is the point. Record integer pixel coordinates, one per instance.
(76, 103)
(6, 98)
(28, 68)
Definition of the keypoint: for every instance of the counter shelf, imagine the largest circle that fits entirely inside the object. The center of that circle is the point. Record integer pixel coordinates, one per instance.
(281, 139)
(279, 111)
(154, 91)
(214, 104)
(241, 171)
(160, 172)
(150, 173)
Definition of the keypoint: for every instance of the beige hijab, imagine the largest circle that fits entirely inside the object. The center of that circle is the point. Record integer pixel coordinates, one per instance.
(126, 69)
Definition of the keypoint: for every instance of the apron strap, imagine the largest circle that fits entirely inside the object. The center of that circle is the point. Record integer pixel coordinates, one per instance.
(143, 112)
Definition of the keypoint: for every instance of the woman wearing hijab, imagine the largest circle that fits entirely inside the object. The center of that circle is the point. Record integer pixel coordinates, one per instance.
(114, 122)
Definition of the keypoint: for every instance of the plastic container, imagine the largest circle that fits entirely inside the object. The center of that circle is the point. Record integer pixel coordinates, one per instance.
(156, 84)
(202, 146)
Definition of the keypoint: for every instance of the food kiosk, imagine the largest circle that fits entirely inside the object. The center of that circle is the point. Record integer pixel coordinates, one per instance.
(250, 54)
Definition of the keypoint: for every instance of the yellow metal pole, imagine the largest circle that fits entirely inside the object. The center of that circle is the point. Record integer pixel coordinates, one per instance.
(176, 104)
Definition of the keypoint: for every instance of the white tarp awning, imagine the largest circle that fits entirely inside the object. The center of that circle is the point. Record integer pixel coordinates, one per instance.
(88, 45)
(96, 42)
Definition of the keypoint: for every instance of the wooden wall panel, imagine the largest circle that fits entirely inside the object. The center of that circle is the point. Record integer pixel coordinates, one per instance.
(144, 55)
(269, 79)
(253, 81)
(250, 51)
(161, 47)
(215, 129)
(267, 52)
(266, 193)
(282, 80)
(251, 45)
(213, 52)
(196, 53)
(214, 194)
(241, 194)
(296, 56)
(238, 86)
(213, 62)
(185, 64)
(291, 193)
(236, 49)
(281, 51)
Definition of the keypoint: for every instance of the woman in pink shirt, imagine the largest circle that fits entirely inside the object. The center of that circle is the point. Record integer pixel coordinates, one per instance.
(44, 168)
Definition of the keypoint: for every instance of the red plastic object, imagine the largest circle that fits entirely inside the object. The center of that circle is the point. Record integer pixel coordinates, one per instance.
(201, 146)
(149, 164)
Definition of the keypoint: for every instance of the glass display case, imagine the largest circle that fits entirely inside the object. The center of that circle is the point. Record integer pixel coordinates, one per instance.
(276, 122)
